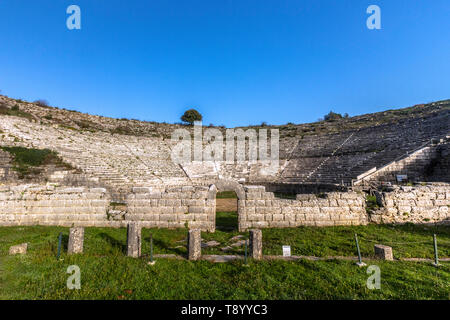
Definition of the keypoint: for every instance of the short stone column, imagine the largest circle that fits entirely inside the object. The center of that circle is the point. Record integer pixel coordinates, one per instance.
(256, 244)
(76, 239)
(383, 252)
(134, 240)
(194, 244)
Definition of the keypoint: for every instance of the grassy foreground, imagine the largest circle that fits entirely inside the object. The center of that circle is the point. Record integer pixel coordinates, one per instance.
(106, 273)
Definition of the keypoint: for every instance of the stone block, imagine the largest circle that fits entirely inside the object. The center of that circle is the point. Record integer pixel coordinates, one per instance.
(142, 189)
(18, 249)
(260, 224)
(383, 252)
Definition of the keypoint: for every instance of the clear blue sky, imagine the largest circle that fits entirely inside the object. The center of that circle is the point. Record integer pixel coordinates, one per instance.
(238, 62)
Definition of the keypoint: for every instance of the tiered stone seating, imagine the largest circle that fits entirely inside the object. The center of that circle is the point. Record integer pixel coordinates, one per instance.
(119, 161)
(327, 159)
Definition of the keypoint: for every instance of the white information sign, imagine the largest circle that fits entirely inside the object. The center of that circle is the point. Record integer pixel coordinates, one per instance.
(286, 251)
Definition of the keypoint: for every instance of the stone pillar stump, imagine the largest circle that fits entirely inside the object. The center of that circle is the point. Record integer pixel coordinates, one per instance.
(134, 240)
(194, 244)
(256, 244)
(76, 239)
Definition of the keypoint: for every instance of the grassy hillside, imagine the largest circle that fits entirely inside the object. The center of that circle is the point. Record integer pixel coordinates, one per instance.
(74, 120)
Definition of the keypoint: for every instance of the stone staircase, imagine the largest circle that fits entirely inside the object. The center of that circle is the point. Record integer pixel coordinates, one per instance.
(340, 158)
(433, 156)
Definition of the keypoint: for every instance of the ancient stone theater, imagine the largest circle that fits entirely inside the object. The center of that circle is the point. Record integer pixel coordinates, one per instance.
(65, 168)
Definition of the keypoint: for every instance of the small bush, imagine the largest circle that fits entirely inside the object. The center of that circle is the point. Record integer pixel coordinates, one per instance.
(122, 130)
(332, 116)
(86, 125)
(42, 103)
(371, 204)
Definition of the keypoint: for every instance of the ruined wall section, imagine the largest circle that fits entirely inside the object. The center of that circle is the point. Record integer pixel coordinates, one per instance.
(173, 207)
(53, 206)
(195, 207)
(420, 204)
(262, 209)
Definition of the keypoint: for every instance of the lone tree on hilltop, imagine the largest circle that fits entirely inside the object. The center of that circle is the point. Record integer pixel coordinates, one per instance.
(332, 116)
(190, 116)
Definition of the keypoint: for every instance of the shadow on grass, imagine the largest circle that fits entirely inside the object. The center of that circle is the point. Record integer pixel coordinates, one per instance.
(227, 221)
(64, 242)
(114, 242)
(166, 248)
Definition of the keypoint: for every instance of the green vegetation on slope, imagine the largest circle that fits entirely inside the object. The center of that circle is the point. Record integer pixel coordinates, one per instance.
(14, 111)
(27, 161)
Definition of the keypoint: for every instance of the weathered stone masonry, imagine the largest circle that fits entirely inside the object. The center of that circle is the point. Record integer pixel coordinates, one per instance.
(194, 207)
(262, 210)
(173, 207)
(50, 205)
(420, 204)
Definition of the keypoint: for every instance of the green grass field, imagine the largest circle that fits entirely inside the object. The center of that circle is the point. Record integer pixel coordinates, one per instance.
(106, 273)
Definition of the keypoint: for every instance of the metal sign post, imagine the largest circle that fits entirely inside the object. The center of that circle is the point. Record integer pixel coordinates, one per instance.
(359, 263)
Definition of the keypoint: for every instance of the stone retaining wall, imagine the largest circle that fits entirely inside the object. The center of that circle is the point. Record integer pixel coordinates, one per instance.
(261, 209)
(50, 205)
(195, 206)
(173, 207)
(421, 204)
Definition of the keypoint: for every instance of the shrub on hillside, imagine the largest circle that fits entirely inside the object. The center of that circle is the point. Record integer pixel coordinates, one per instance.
(332, 116)
(14, 111)
(42, 103)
